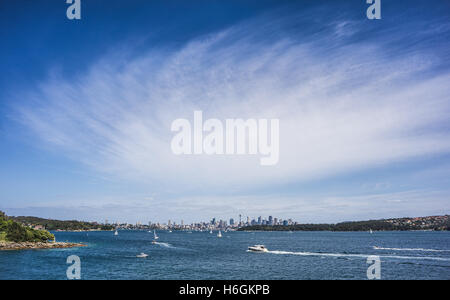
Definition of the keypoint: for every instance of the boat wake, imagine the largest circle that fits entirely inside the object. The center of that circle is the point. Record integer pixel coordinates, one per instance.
(358, 255)
(167, 245)
(410, 249)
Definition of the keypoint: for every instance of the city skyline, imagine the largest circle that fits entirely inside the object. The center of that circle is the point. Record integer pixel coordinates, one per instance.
(231, 222)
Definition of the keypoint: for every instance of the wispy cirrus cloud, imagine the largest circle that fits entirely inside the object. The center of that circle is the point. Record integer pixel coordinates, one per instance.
(343, 106)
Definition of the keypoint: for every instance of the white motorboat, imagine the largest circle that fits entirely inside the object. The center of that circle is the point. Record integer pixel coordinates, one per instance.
(142, 255)
(258, 248)
(219, 234)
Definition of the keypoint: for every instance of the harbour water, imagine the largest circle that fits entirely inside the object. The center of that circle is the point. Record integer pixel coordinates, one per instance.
(201, 255)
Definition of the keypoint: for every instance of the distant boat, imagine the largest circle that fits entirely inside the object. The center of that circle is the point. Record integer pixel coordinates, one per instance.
(210, 231)
(219, 234)
(142, 255)
(370, 231)
(154, 235)
(170, 230)
(258, 248)
(116, 233)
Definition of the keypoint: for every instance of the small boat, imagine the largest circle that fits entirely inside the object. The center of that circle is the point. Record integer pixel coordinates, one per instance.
(219, 234)
(154, 235)
(258, 248)
(370, 231)
(116, 233)
(210, 231)
(170, 230)
(142, 255)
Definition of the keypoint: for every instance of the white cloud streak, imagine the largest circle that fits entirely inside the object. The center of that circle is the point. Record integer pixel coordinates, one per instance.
(341, 107)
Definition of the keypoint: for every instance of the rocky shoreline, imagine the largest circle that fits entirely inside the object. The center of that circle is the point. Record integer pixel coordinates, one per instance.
(37, 245)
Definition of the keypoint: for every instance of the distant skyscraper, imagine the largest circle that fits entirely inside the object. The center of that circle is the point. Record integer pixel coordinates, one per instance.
(231, 221)
(270, 220)
(259, 220)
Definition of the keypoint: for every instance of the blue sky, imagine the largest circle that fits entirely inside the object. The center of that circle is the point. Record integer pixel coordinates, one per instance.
(86, 107)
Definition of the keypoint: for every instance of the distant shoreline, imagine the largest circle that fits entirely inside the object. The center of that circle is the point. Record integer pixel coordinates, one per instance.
(374, 231)
(430, 223)
(37, 245)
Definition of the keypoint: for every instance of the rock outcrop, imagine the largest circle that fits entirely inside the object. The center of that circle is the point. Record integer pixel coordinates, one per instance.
(37, 245)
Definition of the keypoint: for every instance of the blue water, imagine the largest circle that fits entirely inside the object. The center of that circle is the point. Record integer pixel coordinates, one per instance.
(200, 255)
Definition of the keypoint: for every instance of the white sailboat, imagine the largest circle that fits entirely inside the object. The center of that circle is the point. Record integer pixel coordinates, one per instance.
(154, 235)
(219, 234)
(210, 232)
(370, 230)
(116, 233)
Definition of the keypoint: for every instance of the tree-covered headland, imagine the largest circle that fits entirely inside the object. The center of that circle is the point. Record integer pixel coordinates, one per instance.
(12, 231)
